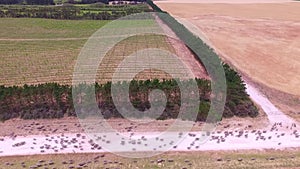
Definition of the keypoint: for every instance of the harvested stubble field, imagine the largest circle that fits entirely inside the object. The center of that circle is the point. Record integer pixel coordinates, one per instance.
(37, 51)
(210, 160)
(260, 39)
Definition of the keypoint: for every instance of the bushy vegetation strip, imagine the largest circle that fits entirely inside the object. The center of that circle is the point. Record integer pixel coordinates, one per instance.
(52, 100)
(93, 12)
(59, 2)
(27, 2)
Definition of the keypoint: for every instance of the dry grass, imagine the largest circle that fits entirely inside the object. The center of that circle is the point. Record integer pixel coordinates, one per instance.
(275, 11)
(260, 40)
(194, 160)
(21, 127)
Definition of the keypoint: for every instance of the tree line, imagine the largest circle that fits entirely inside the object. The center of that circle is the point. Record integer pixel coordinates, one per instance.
(101, 1)
(52, 100)
(51, 2)
(27, 2)
(71, 12)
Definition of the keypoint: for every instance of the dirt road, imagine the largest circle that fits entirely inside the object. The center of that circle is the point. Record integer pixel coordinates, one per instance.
(278, 136)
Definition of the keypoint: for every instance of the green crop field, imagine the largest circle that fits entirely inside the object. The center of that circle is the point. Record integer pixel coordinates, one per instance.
(20, 28)
(36, 51)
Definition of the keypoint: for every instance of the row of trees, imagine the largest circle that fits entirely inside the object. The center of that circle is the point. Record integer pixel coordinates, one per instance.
(10, 2)
(102, 1)
(51, 2)
(28, 2)
(39, 2)
(87, 1)
(41, 12)
(52, 100)
(69, 12)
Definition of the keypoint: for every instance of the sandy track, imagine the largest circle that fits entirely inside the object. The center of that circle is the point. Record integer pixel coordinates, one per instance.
(278, 136)
(273, 113)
